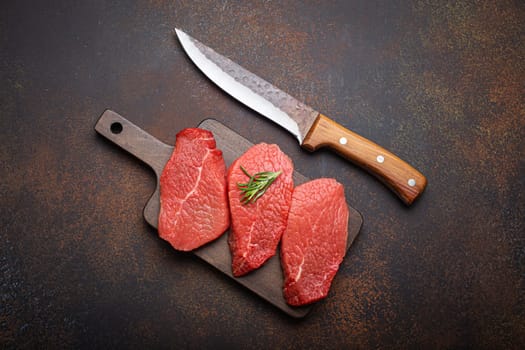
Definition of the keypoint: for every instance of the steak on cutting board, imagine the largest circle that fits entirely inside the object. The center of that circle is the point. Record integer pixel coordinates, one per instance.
(193, 193)
(267, 281)
(314, 242)
(257, 226)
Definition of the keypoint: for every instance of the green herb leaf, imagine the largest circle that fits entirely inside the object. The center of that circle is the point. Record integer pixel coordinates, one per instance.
(256, 185)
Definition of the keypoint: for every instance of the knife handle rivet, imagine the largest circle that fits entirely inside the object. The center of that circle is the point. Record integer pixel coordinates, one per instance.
(343, 140)
(380, 159)
(411, 182)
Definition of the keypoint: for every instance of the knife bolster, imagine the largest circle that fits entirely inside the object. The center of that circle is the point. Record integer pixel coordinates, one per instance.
(318, 135)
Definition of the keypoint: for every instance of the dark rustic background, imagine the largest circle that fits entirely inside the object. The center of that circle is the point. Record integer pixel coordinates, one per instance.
(439, 83)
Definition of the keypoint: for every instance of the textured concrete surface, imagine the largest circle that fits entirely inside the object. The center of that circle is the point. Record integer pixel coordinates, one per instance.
(439, 83)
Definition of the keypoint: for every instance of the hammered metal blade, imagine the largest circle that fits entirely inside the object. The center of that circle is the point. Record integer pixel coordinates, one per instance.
(248, 88)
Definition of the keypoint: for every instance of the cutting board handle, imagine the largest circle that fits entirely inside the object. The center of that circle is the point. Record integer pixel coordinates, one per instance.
(133, 139)
(142, 145)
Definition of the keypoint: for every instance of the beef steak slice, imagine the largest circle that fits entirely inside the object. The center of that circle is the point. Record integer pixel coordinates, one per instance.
(314, 242)
(257, 227)
(193, 193)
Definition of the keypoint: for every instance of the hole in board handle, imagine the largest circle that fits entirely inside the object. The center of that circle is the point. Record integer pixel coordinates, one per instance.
(116, 128)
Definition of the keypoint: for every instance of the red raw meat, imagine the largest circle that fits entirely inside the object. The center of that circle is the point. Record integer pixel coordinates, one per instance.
(257, 227)
(314, 243)
(193, 193)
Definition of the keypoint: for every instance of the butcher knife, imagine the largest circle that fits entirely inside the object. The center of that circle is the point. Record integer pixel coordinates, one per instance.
(311, 128)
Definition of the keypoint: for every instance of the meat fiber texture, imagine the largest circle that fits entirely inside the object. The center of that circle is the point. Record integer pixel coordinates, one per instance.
(314, 243)
(193, 192)
(257, 227)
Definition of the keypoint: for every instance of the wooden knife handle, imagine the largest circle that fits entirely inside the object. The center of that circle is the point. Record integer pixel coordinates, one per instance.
(401, 177)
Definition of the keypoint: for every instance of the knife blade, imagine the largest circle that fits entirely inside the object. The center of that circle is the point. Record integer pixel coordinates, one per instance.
(311, 128)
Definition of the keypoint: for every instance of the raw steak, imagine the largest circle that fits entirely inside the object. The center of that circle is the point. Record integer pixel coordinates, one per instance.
(193, 193)
(257, 227)
(314, 242)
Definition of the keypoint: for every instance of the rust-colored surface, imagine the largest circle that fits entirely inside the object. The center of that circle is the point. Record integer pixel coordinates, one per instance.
(441, 85)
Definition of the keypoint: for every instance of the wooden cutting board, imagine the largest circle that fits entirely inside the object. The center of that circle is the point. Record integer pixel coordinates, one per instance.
(267, 281)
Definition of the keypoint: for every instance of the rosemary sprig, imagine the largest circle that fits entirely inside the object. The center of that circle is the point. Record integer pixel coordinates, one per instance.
(257, 184)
